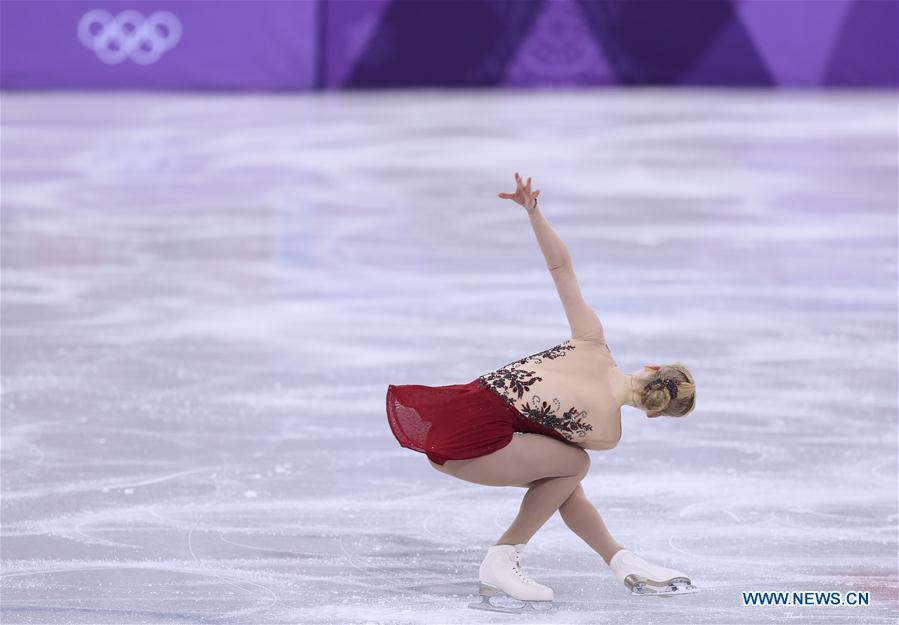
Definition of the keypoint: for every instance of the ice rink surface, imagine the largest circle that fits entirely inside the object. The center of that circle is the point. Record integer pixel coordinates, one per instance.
(204, 298)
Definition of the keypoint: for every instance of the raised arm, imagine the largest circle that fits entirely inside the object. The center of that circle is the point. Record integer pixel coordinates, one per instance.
(582, 319)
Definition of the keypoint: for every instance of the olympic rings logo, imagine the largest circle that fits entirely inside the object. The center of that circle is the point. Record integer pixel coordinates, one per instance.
(129, 35)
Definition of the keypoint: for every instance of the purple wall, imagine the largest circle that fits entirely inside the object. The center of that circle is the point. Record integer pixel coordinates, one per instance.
(336, 44)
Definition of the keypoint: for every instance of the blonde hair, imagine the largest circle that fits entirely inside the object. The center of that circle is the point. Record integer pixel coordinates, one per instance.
(656, 397)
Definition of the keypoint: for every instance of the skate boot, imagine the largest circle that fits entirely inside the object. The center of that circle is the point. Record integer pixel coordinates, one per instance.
(643, 578)
(505, 588)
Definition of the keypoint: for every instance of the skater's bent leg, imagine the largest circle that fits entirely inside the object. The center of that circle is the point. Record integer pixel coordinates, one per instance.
(582, 517)
(540, 502)
(550, 468)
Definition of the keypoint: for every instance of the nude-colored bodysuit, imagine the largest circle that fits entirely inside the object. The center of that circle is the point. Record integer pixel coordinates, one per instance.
(567, 388)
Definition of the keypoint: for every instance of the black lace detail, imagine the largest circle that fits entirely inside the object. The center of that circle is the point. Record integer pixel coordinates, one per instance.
(509, 380)
(556, 351)
(515, 381)
(569, 423)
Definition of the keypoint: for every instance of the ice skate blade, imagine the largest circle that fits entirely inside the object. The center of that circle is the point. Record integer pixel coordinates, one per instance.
(527, 607)
(514, 606)
(679, 586)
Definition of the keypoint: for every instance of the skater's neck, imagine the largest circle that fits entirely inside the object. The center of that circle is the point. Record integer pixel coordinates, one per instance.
(627, 387)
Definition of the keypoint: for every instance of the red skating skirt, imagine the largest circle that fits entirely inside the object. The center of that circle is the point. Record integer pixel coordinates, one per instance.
(455, 421)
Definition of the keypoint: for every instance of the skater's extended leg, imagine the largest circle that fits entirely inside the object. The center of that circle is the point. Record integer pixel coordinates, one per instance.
(582, 517)
(550, 467)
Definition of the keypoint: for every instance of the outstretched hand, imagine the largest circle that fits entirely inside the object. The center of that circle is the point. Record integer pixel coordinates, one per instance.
(523, 194)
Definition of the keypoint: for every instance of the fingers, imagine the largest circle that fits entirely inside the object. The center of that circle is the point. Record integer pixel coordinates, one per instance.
(521, 185)
(521, 188)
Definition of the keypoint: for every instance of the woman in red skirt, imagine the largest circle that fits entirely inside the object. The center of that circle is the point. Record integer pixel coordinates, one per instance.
(529, 423)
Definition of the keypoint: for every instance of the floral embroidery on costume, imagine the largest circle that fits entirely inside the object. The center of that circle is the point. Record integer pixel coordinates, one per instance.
(511, 382)
(552, 353)
(569, 424)
(515, 381)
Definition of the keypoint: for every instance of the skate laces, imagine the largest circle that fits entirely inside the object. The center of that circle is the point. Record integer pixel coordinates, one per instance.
(517, 567)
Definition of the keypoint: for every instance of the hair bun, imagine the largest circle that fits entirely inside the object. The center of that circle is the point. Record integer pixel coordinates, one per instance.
(680, 398)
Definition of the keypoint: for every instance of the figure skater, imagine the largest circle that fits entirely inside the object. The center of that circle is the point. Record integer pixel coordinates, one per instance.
(529, 423)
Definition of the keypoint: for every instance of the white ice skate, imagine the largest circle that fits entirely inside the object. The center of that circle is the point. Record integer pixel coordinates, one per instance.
(643, 578)
(501, 572)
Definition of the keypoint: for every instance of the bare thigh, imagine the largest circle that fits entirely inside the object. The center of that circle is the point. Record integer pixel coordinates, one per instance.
(528, 457)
